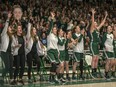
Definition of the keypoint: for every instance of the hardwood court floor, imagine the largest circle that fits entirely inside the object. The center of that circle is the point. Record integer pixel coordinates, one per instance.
(104, 84)
(91, 83)
(109, 84)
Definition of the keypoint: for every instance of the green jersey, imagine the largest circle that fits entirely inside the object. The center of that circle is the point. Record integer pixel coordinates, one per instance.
(94, 37)
(115, 46)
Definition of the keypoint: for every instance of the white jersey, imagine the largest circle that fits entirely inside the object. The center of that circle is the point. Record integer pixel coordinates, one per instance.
(109, 42)
(61, 47)
(80, 45)
(52, 41)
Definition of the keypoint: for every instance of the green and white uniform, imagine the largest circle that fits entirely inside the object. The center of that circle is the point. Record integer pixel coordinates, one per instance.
(61, 47)
(52, 45)
(79, 47)
(108, 45)
(94, 42)
(115, 48)
(66, 50)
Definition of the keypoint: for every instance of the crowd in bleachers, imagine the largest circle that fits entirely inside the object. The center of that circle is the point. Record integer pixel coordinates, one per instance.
(35, 24)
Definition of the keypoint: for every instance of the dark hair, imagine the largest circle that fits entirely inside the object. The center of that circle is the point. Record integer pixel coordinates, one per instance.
(34, 37)
(68, 31)
(59, 31)
(73, 30)
(15, 31)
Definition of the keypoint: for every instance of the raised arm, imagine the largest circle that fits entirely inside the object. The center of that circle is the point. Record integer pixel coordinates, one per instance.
(93, 22)
(103, 21)
(51, 23)
(87, 25)
(6, 24)
(28, 31)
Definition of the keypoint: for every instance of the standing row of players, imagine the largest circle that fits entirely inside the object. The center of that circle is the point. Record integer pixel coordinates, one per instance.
(16, 46)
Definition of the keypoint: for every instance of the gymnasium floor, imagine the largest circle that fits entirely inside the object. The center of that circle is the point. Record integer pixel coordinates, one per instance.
(77, 83)
(110, 84)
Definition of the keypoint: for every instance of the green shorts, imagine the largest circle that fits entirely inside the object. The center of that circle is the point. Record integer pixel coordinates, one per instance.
(78, 56)
(94, 48)
(109, 55)
(62, 56)
(53, 55)
(114, 52)
(67, 56)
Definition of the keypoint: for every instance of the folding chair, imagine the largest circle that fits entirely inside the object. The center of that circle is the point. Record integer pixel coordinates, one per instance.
(100, 63)
(87, 62)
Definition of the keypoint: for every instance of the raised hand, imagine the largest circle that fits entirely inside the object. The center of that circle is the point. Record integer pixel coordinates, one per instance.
(93, 11)
(52, 14)
(106, 13)
(83, 32)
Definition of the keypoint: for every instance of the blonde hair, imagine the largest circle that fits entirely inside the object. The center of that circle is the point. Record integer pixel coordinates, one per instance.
(17, 6)
(9, 34)
(34, 37)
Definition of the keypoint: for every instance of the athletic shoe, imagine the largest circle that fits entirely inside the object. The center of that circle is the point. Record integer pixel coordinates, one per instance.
(62, 80)
(68, 78)
(52, 82)
(21, 81)
(56, 81)
(113, 77)
(1, 81)
(107, 78)
(74, 78)
(14, 82)
(30, 81)
(82, 78)
(93, 75)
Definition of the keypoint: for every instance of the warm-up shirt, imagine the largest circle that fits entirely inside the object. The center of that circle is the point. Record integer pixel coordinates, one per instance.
(108, 41)
(79, 47)
(52, 41)
(61, 43)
